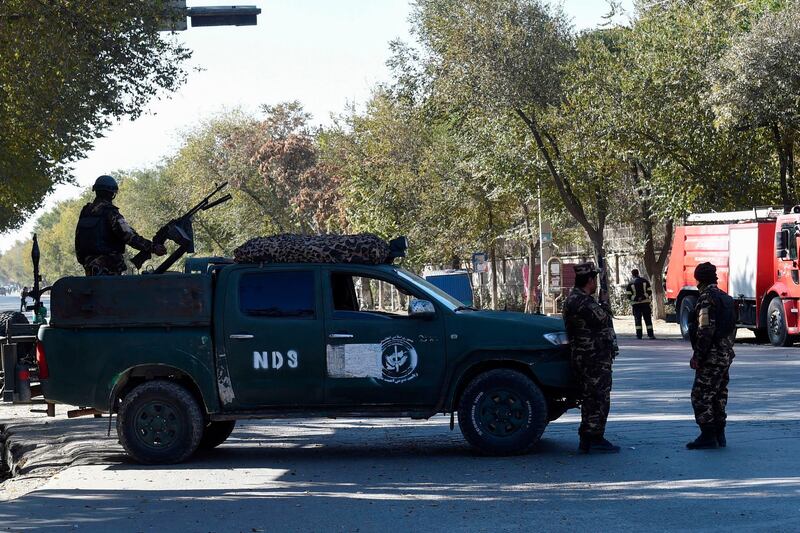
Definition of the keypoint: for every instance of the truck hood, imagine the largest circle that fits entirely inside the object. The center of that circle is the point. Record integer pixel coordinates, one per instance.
(507, 330)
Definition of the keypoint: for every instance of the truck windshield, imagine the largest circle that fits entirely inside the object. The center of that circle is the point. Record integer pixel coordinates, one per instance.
(431, 290)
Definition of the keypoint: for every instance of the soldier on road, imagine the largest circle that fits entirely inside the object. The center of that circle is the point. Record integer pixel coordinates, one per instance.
(103, 232)
(711, 330)
(640, 294)
(593, 346)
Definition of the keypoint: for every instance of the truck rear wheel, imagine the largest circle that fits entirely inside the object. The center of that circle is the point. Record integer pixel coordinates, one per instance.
(502, 412)
(684, 313)
(215, 433)
(776, 324)
(160, 422)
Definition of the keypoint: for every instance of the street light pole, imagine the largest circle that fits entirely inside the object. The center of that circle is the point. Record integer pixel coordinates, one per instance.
(542, 276)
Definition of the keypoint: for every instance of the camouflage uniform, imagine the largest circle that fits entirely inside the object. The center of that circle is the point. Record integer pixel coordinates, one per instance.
(118, 234)
(594, 346)
(713, 356)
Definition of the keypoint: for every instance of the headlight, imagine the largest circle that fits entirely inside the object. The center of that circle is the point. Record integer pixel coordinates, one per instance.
(558, 338)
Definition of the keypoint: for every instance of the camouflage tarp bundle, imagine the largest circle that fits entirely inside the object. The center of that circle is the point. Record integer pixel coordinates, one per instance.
(364, 248)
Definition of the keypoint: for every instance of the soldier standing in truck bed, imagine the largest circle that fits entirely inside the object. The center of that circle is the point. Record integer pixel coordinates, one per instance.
(711, 329)
(593, 346)
(640, 294)
(103, 233)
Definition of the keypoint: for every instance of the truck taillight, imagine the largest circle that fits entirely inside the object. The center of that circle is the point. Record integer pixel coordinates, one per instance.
(41, 361)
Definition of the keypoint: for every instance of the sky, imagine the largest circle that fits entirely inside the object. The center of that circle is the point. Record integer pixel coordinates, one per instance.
(325, 53)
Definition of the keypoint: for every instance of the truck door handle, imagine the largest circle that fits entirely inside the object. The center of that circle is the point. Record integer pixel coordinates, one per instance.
(241, 336)
(340, 336)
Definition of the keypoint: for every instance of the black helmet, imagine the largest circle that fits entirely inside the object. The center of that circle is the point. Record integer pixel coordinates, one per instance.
(705, 273)
(105, 183)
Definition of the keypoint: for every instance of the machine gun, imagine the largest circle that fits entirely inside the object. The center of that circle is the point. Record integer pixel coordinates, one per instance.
(35, 292)
(179, 230)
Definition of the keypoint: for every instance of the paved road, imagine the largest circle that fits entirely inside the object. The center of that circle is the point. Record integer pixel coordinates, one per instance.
(390, 475)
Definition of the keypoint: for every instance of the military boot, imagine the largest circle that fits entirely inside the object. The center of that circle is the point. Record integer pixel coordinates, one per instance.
(707, 439)
(720, 431)
(595, 444)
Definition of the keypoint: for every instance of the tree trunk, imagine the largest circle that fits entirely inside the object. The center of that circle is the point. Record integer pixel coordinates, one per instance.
(600, 257)
(783, 159)
(571, 201)
(532, 303)
(654, 264)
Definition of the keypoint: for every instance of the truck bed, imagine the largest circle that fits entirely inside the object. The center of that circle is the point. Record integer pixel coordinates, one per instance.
(132, 301)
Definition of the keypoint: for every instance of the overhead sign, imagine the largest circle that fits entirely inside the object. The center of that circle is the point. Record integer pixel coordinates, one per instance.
(176, 14)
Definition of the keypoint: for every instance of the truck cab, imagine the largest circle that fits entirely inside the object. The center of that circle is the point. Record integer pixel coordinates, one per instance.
(180, 357)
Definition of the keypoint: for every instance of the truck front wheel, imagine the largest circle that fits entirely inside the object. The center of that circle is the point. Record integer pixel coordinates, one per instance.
(215, 433)
(684, 313)
(776, 324)
(160, 422)
(502, 412)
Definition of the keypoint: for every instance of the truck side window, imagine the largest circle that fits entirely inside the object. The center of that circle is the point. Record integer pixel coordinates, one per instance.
(352, 292)
(280, 294)
(792, 244)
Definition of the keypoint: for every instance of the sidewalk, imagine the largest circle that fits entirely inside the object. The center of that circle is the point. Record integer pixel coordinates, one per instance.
(35, 446)
(625, 327)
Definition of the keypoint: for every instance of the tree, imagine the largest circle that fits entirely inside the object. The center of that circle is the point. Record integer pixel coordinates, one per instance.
(275, 163)
(755, 86)
(67, 70)
(511, 55)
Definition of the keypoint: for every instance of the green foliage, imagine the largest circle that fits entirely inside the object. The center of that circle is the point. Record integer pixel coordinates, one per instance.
(68, 68)
(756, 86)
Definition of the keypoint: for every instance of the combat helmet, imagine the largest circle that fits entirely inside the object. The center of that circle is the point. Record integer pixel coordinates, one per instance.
(105, 183)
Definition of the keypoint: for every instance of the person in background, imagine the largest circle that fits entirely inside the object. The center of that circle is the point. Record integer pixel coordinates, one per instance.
(640, 294)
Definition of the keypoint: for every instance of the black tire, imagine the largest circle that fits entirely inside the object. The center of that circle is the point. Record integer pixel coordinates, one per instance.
(684, 312)
(761, 334)
(160, 422)
(521, 419)
(776, 324)
(215, 433)
(11, 317)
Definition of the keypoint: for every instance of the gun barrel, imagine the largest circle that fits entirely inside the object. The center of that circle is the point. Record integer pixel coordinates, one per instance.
(217, 202)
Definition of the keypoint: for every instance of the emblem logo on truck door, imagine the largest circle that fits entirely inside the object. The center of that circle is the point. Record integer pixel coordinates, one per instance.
(398, 359)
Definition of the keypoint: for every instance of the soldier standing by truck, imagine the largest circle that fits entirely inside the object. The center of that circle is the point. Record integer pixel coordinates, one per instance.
(102, 233)
(593, 346)
(712, 326)
(640, 294)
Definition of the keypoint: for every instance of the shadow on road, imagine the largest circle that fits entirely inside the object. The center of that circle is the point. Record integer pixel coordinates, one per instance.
(371, 475)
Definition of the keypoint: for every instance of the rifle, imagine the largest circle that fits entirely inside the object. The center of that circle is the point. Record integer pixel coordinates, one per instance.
(179, 230)
(35, 292)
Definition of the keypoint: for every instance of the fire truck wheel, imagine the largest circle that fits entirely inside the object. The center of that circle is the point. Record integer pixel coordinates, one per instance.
(502, 412)
(160, 422)
(687, 306)
(776, 324)
(760, 334)
(215, 433)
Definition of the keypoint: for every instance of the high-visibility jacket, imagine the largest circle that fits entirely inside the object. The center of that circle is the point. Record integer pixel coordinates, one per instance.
(640, 291)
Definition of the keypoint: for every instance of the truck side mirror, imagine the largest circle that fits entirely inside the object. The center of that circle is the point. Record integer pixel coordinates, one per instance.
(421, 309)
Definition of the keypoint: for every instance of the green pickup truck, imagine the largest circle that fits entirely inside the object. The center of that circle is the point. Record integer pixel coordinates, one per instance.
(181, 356)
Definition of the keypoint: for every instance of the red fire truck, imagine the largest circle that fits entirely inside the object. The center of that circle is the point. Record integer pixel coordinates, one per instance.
(756, 256)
